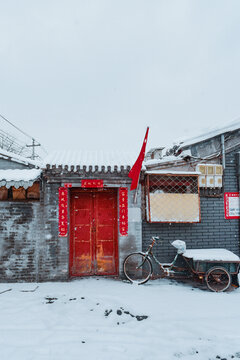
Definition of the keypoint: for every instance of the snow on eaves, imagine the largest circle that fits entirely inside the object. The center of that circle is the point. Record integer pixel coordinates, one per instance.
(96, 159)
(19, 175)
(4, 154)
(234, 125)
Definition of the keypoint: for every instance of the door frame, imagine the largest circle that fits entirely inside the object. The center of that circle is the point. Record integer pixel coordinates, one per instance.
(116, 245)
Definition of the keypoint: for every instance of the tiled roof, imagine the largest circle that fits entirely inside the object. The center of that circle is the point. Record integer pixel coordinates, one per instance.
(96, 159)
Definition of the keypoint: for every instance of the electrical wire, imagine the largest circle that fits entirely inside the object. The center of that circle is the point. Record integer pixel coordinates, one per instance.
(15, 126)
(23, 132)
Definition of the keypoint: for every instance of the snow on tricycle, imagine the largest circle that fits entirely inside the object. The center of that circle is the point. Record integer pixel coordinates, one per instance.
(218, 268)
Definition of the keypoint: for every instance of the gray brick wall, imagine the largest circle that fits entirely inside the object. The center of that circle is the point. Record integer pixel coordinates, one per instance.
(214, 230)
(20, 230)
(53, 251)
(132, 242)
(30, 249)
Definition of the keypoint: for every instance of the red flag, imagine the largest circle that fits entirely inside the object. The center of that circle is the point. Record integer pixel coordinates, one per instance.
(134, 173)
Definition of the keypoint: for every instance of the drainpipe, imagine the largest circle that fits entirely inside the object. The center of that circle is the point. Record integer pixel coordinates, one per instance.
(238, 169)
(238, 181)
(223, 151)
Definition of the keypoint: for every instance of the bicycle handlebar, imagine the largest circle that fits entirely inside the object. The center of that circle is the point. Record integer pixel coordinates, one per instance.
(157, 238)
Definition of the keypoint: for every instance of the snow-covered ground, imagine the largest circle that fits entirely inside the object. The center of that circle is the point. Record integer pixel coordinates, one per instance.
(101, 319)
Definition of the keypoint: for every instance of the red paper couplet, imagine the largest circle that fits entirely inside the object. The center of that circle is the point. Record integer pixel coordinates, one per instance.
(63, 211)
(123, 211)
(92, 183)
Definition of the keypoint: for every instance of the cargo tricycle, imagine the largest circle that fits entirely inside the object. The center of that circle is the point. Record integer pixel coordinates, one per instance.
(217, 268)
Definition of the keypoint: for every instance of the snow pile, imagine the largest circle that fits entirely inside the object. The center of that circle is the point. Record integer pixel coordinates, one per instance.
(180, 246)
(211, 255)
(108, 319)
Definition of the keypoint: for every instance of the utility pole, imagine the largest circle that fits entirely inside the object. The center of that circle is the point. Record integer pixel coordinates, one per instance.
(33, 148)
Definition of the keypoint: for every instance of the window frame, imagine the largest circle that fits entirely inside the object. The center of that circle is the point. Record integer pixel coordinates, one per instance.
(148, 204)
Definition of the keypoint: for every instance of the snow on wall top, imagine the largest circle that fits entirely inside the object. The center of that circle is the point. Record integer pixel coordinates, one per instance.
(19, 175)
(234, 125)
(174, 172)
(211, 255)
(91, 158)
(4, 154)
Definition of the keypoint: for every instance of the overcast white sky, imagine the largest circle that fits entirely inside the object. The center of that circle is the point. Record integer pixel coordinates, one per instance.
(88, 74)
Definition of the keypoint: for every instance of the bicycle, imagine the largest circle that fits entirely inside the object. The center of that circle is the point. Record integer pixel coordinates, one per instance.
(217, 274)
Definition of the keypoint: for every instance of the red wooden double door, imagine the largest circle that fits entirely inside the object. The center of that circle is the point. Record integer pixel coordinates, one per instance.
(93, 232)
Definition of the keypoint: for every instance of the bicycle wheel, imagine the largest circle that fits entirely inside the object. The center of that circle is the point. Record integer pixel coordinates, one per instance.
(137, 268)
(218, 279)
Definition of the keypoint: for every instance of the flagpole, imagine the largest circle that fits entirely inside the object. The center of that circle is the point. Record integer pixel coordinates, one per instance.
(136, 192)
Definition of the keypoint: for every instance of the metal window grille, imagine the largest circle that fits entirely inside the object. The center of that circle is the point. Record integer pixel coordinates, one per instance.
(172, 198)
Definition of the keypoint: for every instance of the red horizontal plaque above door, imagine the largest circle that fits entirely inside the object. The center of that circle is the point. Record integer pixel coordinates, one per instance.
(92, 183)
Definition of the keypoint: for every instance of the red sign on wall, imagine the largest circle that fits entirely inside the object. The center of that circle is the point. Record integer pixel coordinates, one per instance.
(123, 211)
(92, 183)
(63, 211)
(231, 205)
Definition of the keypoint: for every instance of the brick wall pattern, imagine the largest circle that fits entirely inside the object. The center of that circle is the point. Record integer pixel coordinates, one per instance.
(214, 231)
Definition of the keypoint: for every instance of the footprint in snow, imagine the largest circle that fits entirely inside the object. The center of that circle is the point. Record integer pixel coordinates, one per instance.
(50, 300)
(121, 312)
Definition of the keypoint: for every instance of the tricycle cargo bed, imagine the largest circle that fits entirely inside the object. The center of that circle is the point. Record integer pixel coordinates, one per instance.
(204, 259)
(204, 266)
(211, 255)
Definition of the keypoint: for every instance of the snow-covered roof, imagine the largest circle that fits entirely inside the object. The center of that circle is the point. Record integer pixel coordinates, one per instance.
(165, 160)
(160, 161)
(17, 177)
(155, 149)
(4, 154)
(234, 125)
(211, 255)
(96, 159)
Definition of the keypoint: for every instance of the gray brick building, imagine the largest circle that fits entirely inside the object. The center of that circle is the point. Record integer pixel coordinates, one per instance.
(21, 217)
(219, 147)
(84, 221)
(38, 242)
